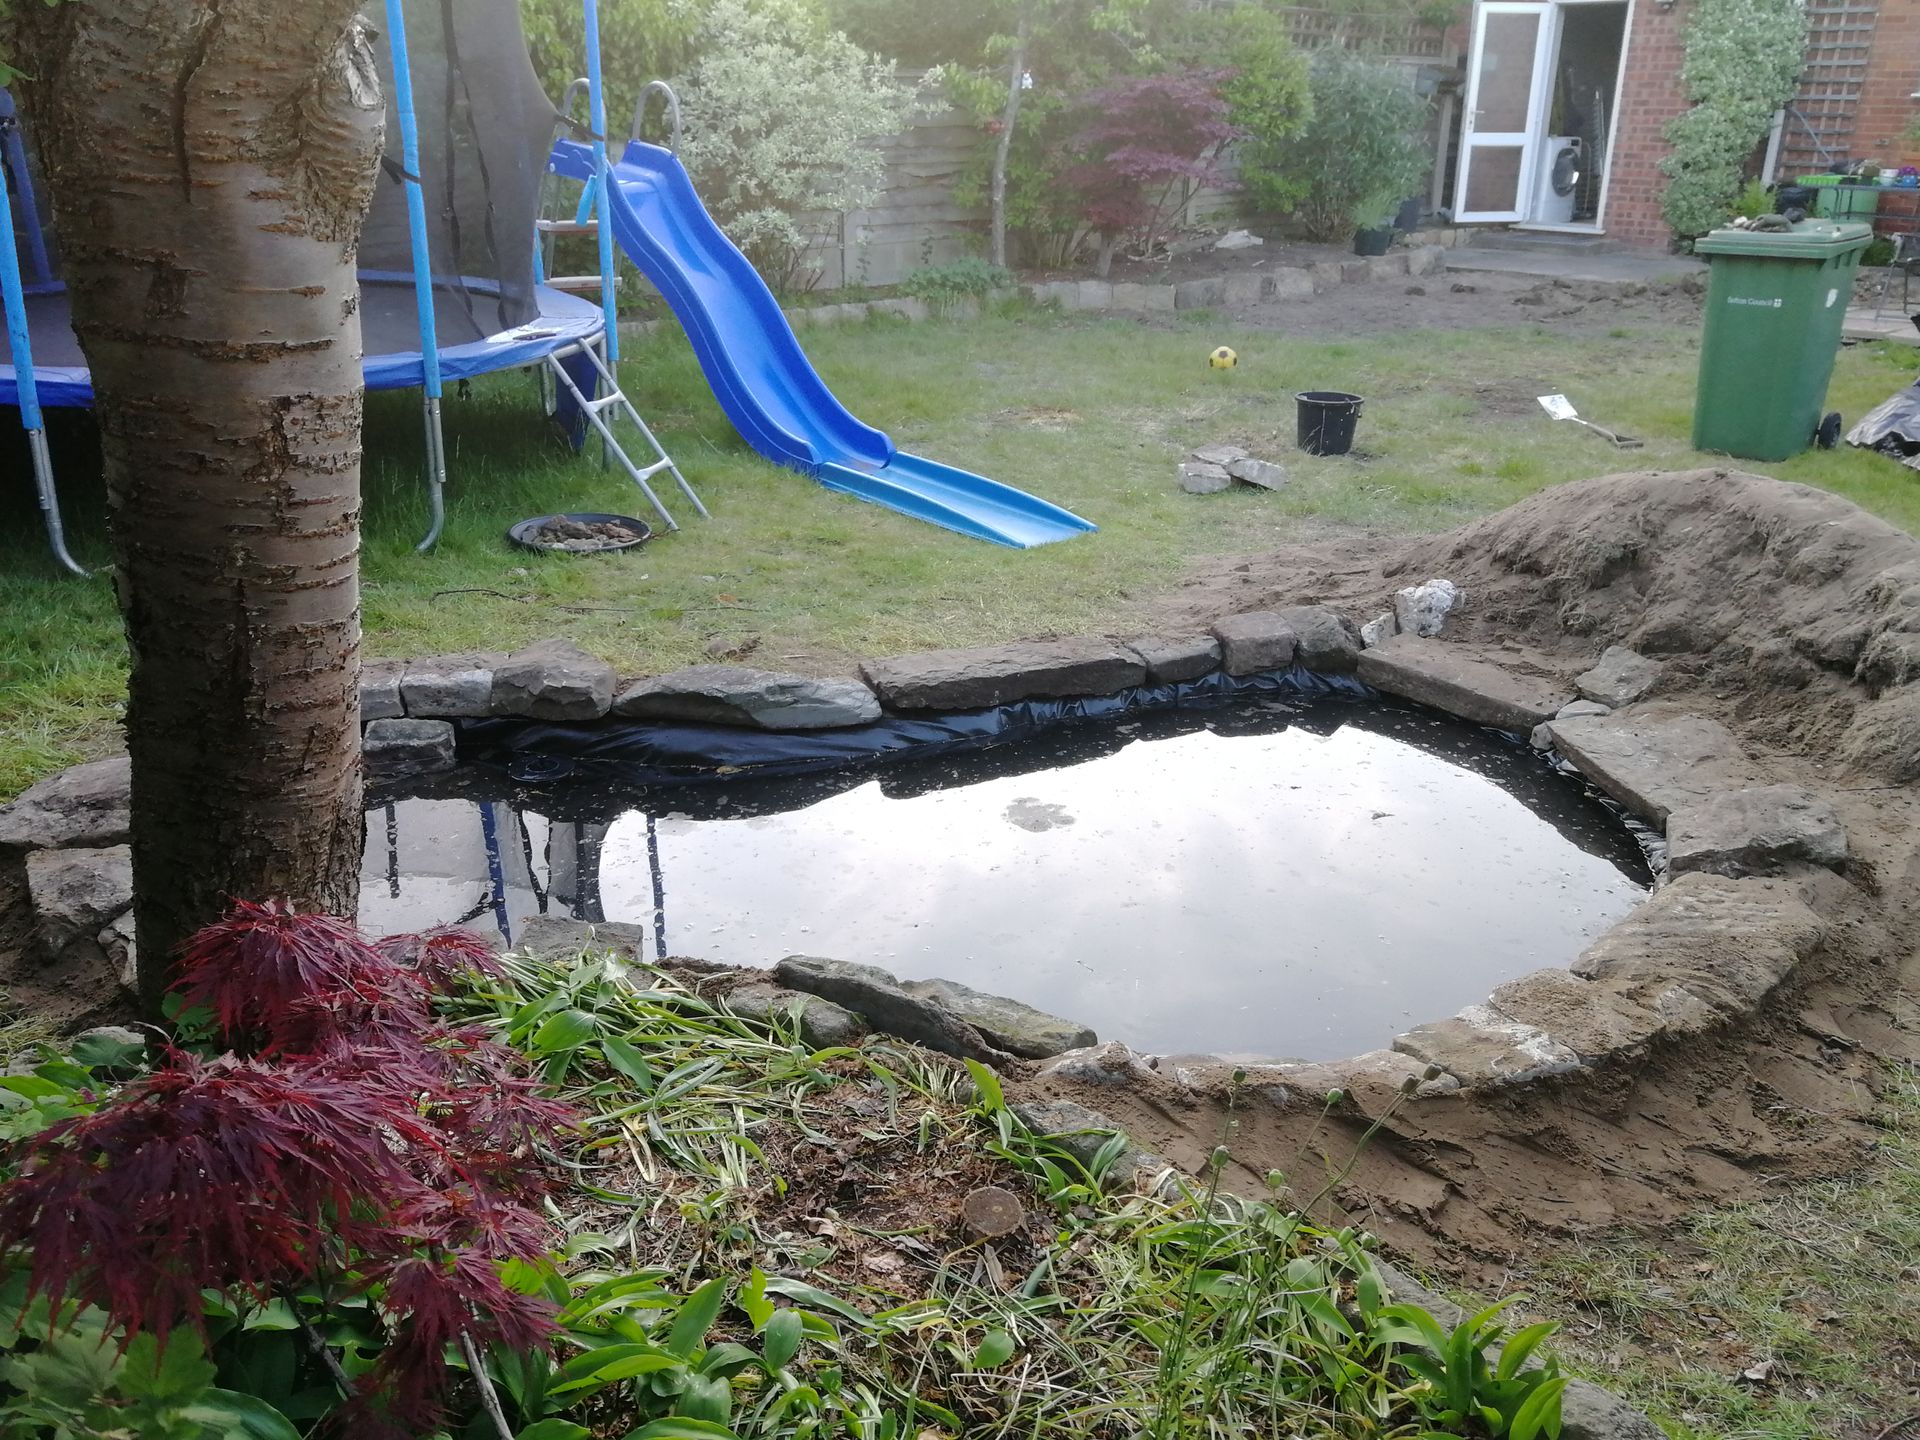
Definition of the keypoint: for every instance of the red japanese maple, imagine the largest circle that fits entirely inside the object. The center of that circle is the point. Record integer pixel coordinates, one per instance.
(348, 1136)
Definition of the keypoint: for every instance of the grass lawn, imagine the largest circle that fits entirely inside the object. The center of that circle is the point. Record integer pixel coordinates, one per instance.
(1089, 412)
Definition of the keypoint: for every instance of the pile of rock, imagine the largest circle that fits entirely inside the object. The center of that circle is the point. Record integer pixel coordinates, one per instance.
(71, 831)
(1213, 468)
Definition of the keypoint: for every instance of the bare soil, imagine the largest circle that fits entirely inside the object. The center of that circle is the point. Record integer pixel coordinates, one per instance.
(1205, 262)
(1467, 300)
(1778, 610)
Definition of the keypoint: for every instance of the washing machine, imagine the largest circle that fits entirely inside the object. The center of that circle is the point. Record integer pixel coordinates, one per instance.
(1560, 168)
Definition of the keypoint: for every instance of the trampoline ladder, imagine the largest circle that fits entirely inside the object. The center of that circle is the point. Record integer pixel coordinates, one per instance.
(613, 399)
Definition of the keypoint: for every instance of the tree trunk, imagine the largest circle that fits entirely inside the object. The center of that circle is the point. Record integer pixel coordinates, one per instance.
(210, 163)
(1003, 146)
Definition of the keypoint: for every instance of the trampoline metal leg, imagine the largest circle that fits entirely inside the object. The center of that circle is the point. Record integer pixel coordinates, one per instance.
(50, 500)
(436, 473)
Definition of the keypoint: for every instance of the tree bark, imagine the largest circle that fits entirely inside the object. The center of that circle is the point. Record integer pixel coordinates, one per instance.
(1003, 146)
(209, 164)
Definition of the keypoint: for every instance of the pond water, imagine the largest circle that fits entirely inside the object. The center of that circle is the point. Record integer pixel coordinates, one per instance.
(1300, 879)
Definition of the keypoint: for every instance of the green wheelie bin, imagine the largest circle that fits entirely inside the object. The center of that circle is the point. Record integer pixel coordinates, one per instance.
(1776, 301)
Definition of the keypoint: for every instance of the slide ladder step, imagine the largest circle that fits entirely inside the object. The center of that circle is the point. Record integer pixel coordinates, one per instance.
(580, 284)
(568, 227)
(614, 399)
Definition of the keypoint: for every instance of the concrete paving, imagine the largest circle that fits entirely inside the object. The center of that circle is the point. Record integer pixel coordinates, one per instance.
(1595, 268)
(1864, 323)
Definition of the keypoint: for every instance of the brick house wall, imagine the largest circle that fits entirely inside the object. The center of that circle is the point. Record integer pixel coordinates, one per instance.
(1887, 105)
(1650, 96)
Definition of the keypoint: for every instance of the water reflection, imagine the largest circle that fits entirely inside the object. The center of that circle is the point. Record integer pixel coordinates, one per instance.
(1271, 879)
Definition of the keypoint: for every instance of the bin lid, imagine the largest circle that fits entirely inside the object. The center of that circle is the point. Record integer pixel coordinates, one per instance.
(1806, 240)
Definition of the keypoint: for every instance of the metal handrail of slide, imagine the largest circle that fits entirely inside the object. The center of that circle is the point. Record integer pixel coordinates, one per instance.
(665, 91)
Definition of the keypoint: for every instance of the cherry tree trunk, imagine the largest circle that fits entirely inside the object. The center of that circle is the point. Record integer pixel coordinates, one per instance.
(209, 164)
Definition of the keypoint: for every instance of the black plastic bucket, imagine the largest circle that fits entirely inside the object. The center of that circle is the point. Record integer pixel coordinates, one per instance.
(1795, 197)
(1376, 241)
(1326, 421)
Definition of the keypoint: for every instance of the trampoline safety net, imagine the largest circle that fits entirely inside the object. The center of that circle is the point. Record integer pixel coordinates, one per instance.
(485, 126)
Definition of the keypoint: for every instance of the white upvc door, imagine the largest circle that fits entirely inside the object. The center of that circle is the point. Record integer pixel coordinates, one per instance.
(1509, 86)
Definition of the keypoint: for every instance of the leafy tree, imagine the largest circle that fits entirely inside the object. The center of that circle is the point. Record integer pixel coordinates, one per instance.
(1743, 63)
(1357, 158)
(210, 169)
(1143, 138)
(1269, 92)
(640, 40)
(781, 114)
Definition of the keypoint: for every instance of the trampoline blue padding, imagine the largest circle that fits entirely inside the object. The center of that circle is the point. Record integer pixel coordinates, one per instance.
(389, 328)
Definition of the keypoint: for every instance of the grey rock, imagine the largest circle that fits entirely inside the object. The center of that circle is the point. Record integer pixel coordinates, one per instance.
(450, 686)
(1007, 1024)
(1381, 267)
(736, 695)
(1254, 641)
(380, 690)
(559, 935)
(117, 945)
(1249, 470)
(1423, 609)
(1754, 831)
(1221, 455)
(878, 998)
(1199, 294)
(82, 805)
(1245, 289)
(1621, 677)
(74, 893)
(1574, 709)
(1482, 1048)
(1171, 659)
(1083, 1133)
(1592, 1018)
(1589, 1413)
(1652, 764)
(553, 680)
(396, 749)
(1369, 1082)
(1110, 1064)
(996, 674)
(1326, 640)
(1292, 283)
(1238, 240)
(1095, 295)
(1426, 260)
(1129, 295)
(1449, 679)
(1540, 737)
(1379, 630)
(1705, 950)
(1327, 274)
(823, 1024)
(1199, 478)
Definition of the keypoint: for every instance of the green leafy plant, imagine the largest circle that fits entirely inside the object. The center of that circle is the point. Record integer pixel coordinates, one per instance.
(944, 286)
(1743, 62)
(1503, 1398)
(1357, 158)
(1755, 199)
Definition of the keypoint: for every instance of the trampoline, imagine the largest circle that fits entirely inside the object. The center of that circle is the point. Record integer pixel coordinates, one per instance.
(450, 278)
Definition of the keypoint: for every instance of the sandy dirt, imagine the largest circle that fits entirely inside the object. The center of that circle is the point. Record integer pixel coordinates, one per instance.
(1788, 614)
(1467, 300)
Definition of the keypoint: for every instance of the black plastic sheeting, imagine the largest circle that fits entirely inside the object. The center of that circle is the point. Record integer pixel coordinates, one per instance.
(1892, 428)
(667, 752)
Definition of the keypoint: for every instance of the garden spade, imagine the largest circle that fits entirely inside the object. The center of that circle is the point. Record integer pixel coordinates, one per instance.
(1561, 408)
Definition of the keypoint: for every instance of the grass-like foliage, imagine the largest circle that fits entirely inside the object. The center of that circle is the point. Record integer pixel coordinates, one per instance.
(345, 1136)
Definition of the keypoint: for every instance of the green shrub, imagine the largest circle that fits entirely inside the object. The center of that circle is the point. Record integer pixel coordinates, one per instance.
(1755, 199)
(1880, 252)
(780, 117)
(1743, 63)
(1269, 94)
(942, 286)
(1358, 156)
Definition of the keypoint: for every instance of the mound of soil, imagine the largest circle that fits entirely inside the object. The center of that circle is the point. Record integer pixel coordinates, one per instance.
(1793, 617)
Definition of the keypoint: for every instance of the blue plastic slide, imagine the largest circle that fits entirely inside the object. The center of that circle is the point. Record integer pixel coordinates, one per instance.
(762, 378)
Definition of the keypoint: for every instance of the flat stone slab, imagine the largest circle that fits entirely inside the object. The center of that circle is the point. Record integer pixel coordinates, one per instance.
(1172, 658)
(1705, 949)
(1007, 1024)
(1250, 470)
(450, 686)
(396, 749)
(1592, 1018)
(1368, 1083)
(380, 690)
(74, 893)
(1652, 764)
(997, 674)
(553, 680)
(1481, 1047)
(878, 998)
(1254, 641)
(1197, 477)
(823, 1024)
(549, 935)
(1221, 455)
(737, 695)
(1755, 831)
(1325, 640)
(1448, 679)
(82, 805)
(1622, 677)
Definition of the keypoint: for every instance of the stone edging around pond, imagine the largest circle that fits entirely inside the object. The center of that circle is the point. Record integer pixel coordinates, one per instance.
(1246, 287)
